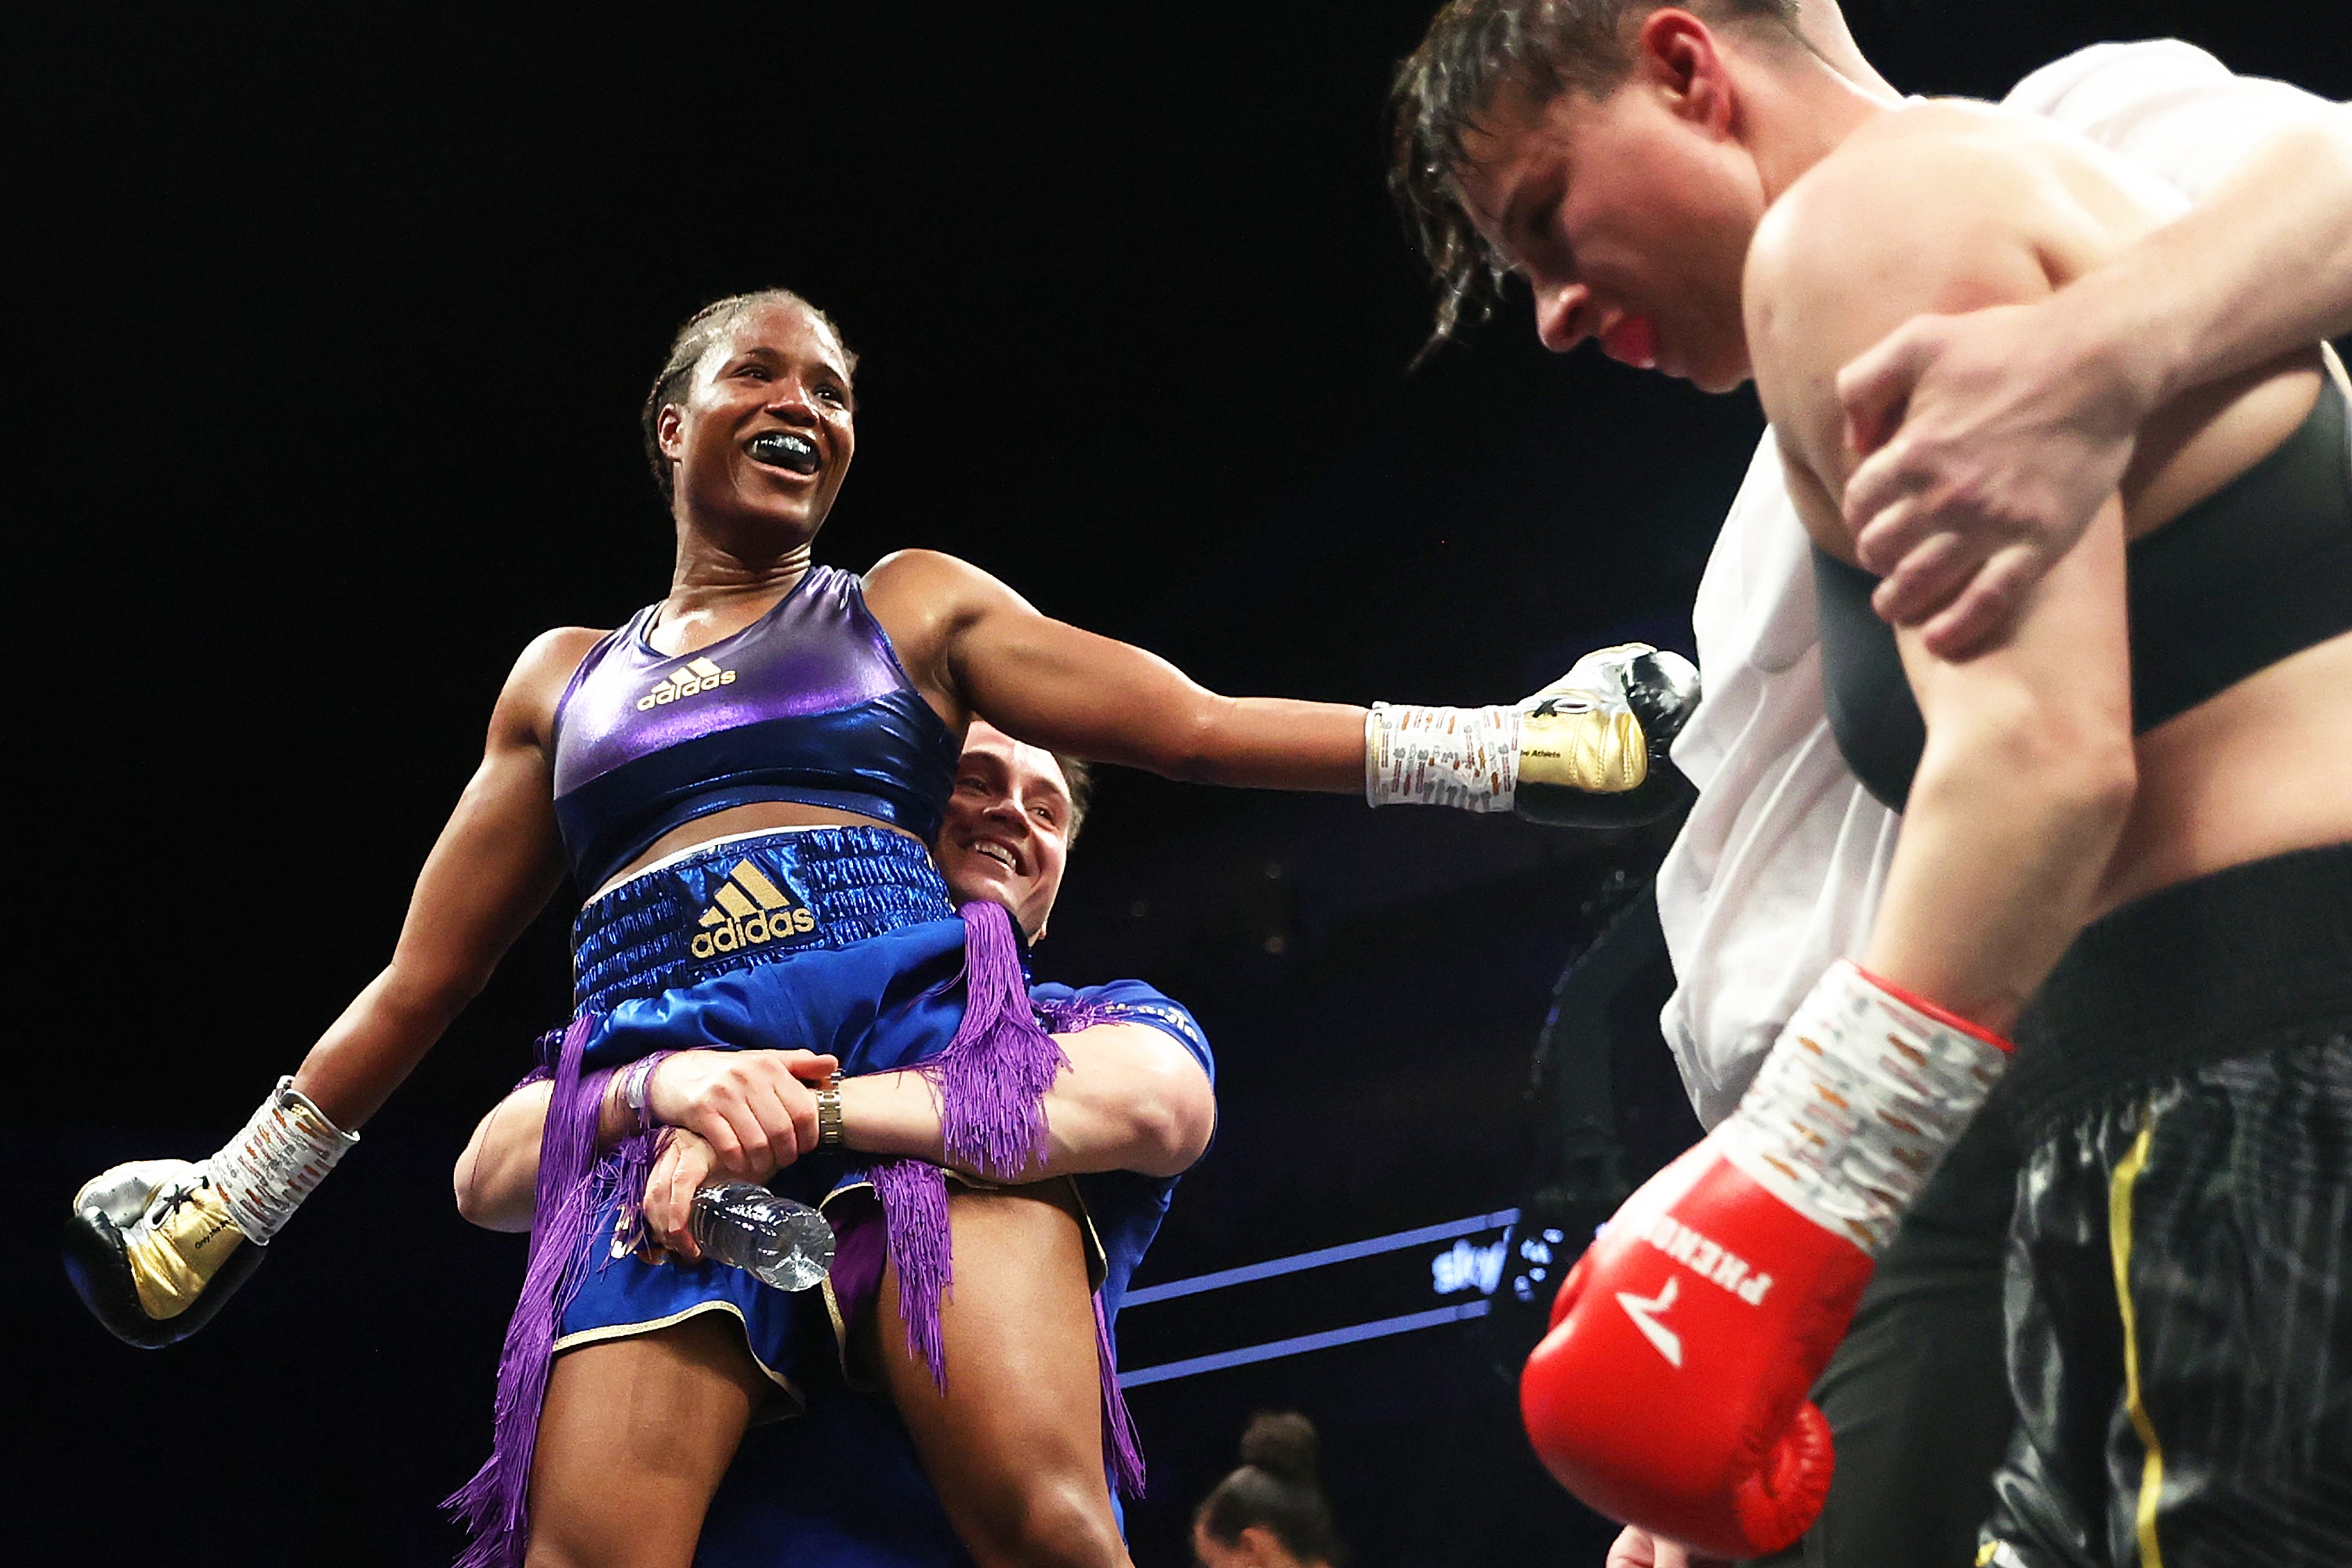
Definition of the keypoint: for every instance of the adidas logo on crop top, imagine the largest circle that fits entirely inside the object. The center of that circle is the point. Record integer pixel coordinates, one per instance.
(698, 675)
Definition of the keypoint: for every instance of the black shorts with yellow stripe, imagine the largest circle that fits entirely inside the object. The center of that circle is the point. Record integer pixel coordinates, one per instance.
(2178, 1289)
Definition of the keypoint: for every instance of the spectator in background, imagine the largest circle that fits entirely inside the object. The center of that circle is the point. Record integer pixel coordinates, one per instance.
(1271, 1512)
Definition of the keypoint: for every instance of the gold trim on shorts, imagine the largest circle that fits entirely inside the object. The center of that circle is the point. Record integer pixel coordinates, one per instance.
(605, 1333)
(2119, 1220)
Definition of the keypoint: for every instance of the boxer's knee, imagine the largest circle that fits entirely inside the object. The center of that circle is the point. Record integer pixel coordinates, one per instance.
(1054, 1521)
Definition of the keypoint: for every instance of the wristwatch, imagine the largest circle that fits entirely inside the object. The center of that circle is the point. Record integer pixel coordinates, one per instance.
(828, 1113)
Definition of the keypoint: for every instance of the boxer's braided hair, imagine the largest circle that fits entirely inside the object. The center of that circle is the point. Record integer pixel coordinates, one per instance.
(702, 329)
(1475, 49)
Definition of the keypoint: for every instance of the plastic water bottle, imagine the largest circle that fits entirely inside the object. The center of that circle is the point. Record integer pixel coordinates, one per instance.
(778, 1242)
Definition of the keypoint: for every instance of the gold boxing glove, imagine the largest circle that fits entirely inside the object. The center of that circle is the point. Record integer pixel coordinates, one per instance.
(155, 1247)
(154, 1251)
(1571, 743)
(1589, 751)
(1593, 747)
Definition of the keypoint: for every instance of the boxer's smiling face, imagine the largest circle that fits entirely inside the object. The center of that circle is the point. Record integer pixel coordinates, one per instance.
(1629, 215)
(1006, 836)
(768, 423)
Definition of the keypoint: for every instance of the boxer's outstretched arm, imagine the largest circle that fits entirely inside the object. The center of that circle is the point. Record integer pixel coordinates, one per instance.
(976, 647)
(971, 639)
(1993, 437)
(1131, 1099)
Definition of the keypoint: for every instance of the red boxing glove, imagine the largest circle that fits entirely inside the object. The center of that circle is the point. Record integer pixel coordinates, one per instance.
(1670, 1392)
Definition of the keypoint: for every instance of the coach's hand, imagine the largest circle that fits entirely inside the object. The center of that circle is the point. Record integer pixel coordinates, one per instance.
(1987, 443)
(684, 1165)
(756, 1110)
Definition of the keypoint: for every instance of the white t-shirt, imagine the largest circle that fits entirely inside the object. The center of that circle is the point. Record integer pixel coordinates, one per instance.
(1778, 871)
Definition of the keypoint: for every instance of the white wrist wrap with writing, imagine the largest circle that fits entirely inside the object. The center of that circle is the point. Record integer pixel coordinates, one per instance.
(1856, 1105)
(1467, 758)
(285, 1152)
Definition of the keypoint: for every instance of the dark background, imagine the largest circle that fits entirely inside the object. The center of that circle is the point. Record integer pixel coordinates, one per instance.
(331, 326)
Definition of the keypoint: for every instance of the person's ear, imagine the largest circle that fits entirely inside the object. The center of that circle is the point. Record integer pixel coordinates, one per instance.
(669, 432)
(1677, 56)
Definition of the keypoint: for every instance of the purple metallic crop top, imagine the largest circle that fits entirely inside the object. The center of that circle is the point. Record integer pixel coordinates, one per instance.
(807, 704)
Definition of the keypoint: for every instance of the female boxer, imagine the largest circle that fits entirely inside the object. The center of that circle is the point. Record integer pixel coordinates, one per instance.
(745, 775)
(2156, 747)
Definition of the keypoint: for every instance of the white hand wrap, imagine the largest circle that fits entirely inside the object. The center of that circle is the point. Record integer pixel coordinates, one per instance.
(285, 1152)
(1856, 1105)
(1467, 758)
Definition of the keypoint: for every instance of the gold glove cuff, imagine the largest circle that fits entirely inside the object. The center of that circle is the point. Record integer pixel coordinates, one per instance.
(1601, 751)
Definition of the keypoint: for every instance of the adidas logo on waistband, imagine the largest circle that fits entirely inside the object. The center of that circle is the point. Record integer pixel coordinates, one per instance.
(749, 909)
(700, 675)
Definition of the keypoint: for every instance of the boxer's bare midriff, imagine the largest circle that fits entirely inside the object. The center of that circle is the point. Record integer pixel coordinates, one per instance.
(2262, 769)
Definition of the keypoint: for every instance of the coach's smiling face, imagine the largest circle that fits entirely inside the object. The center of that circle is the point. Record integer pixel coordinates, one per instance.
(1007, 833)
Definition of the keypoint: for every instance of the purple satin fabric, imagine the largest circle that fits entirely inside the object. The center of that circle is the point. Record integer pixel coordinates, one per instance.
(806, 704)
(815, 652)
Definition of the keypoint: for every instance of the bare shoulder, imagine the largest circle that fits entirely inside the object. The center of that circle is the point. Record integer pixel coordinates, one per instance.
(1930, 189)
(526, 707)
(1933, 208)
(932, 588)
(1886, 203)
(552, 656)
(908, 568)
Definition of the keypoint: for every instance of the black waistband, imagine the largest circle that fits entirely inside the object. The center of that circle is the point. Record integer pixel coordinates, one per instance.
(2211, 969)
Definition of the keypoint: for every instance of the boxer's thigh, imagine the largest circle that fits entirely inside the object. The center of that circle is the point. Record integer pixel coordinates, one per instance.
(1015, 1445)
(632, 1439)
(1917, 1396)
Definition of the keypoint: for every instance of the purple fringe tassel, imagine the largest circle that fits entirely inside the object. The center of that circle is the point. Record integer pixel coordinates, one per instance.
(992, 1082)
(494, 1503)
(914, 1194)
(993, 1075)
(1122, 1449)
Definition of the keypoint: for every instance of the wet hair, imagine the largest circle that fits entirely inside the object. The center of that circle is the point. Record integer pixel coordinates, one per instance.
(1279, 1487)
(704, 327)
(1472, 52)
(1078, 779)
